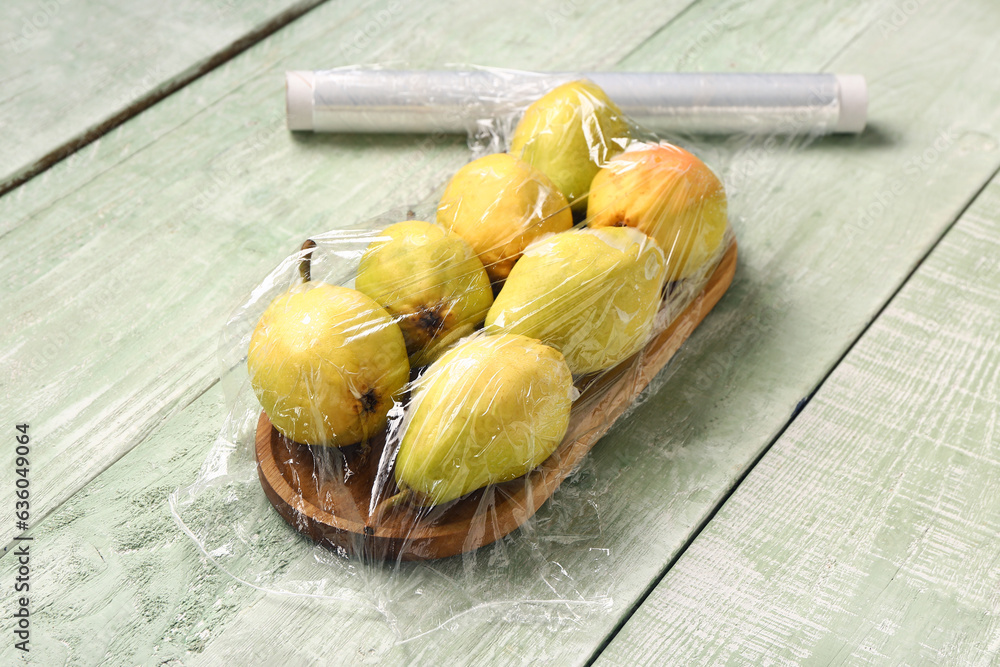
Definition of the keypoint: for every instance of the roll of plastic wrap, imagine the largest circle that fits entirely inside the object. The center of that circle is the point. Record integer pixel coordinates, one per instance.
(354, 100)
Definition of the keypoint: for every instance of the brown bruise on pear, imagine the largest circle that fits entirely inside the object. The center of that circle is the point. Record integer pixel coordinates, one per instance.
(326, 363)
(427, 330)
(422, 325)
(431, 281)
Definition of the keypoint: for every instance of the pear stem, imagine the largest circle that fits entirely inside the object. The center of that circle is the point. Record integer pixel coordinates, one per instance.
(391, 502)
(305, 263)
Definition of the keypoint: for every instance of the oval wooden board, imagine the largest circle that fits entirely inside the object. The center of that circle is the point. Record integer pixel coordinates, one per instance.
(326, 493)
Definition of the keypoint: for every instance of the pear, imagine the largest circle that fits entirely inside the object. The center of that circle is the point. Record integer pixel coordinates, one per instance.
(327, 363)
(488, 411)
(499, 205)
(669, 194)
(569, 134)
(431, 281)
(590, 293)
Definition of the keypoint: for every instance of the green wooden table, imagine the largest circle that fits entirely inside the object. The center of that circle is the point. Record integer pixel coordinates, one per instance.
(825, 487)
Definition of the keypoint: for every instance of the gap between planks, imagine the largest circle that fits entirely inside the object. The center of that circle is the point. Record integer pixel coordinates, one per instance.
(9, 547)
(234, 50)
(655, 582)
(153, 96)
(659, 30)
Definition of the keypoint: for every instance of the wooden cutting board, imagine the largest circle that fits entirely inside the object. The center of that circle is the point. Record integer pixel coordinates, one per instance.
(326, 493)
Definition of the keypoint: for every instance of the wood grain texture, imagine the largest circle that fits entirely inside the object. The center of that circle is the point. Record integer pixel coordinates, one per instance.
(72, 70)
(818, 269)
(153, 235)
(105, 587)
(740, 378)
(870, 533)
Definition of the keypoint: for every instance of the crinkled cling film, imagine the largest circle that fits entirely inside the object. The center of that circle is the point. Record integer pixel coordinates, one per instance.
(414, 400)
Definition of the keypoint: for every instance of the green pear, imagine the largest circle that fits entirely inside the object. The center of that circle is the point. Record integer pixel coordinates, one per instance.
(431, 281)
(569, 134)
(592, 294)
(327, 364)
(489, 410)
(670, 195)
(499, 205)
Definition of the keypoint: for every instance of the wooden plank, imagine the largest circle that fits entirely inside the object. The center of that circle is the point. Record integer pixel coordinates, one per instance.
(734, 385)
(71, 71)
(661, 473)
(717, 407)
(122, 602)
(870, 532)
(142, 245)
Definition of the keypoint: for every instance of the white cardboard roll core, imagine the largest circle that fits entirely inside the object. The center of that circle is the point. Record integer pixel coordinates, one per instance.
(853, 103)
(299, 88)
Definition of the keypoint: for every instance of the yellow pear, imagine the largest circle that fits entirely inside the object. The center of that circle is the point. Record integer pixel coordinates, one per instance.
(327, 363)
(431, 281)
(499, 205)
(488, 411)
(669, 194)
(592, 294)
(569, 134)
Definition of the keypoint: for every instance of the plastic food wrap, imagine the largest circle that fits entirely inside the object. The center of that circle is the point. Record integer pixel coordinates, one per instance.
(354, 99)
(413, 399)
